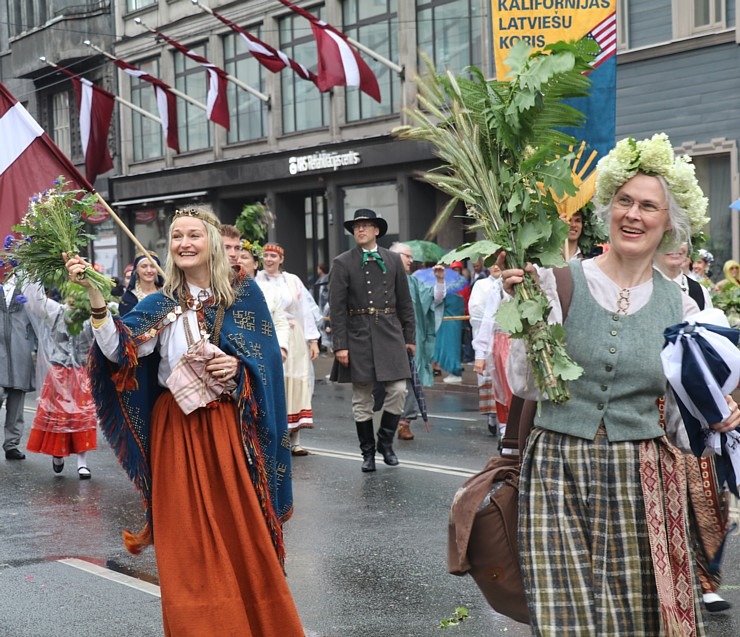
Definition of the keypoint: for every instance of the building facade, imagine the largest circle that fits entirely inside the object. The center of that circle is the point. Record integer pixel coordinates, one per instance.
(312, 157)
(677, 72)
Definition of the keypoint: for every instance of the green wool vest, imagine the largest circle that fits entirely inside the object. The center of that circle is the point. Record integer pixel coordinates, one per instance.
(622, 372)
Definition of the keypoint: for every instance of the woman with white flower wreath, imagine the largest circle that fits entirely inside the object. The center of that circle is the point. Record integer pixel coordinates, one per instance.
(603, 534)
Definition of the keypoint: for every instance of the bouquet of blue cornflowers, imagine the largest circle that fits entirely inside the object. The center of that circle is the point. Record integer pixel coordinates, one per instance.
(53, 225)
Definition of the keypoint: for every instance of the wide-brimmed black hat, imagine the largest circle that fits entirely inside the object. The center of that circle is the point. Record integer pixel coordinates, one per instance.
(363, 214)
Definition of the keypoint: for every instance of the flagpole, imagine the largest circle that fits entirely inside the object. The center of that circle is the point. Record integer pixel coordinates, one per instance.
(174, 91)
(128, 232)
(120, 100)
(258, 94)
(383, 60)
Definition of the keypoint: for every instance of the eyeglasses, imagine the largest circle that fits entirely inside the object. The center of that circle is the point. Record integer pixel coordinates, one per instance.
(625, 202)
(360, 225)
(408, 256)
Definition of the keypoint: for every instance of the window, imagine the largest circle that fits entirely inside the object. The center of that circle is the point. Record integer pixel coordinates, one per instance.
(375, 24)
(134, 5)
(61, 122)
(192, 122)
(703, 16)
(449, 32)
(714, 175)
(623, 35)
(247, 113)
(708, 13)
(382, 198)
(146, 133)
(304, 107)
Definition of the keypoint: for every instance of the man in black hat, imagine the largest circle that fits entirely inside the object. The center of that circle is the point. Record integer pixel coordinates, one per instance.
(372, 319)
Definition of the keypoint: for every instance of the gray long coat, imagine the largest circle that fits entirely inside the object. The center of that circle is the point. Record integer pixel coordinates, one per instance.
(17, 342)
(376, 344)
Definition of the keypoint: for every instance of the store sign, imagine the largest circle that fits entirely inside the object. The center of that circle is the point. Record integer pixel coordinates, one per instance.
(323, 161)
(98, 214)
(145, 216)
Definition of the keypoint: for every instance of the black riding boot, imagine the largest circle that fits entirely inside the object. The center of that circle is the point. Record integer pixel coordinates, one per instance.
(388, 426)
(367, 444)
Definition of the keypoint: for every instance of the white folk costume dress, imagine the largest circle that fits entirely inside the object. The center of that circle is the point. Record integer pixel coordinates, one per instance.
(297, 368)
(604, 541)
(490, 345)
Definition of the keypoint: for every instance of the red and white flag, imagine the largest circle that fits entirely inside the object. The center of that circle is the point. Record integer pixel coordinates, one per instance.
(29, 162)
(269, 57)
(217, 103)
(95, 109)
(339, 63)
(166, 103)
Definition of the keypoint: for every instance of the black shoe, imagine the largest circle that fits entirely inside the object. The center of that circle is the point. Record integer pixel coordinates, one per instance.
(84, 473)
(717, 604)
(368, 463)
(57, 463)
(14, 454)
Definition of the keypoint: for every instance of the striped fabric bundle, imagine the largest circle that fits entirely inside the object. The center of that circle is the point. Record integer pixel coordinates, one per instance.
(191, 385)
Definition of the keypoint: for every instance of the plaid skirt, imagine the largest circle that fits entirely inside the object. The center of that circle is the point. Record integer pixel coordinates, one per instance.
(585, 541)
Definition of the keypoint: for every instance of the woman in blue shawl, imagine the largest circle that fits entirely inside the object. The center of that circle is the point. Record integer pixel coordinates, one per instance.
(215, 478)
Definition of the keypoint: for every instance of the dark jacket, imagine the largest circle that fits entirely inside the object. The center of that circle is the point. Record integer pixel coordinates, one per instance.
(376, 343)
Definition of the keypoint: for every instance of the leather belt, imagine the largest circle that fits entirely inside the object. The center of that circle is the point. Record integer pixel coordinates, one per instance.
(373, 311)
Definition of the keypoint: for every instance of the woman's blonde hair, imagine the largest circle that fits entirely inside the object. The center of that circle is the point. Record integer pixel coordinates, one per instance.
(222, 276)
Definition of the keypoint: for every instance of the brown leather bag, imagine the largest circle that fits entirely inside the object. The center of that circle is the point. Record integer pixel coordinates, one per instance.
(484, 517)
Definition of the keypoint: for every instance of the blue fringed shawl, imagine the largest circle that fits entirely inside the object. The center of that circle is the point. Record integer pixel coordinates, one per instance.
(125, 394)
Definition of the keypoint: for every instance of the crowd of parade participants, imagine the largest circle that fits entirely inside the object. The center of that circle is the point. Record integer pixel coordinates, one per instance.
(207, 362)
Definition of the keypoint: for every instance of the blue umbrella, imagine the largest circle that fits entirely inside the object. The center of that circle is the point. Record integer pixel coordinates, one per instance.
(454, 281)
(702, 364)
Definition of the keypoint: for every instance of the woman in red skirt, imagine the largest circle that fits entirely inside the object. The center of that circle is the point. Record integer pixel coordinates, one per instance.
(65, 421)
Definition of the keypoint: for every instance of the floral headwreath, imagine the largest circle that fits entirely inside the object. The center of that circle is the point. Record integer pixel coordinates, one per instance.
(653, 156)
(253, 247)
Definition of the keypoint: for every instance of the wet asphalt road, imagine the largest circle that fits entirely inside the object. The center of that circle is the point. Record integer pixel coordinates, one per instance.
(366, 553)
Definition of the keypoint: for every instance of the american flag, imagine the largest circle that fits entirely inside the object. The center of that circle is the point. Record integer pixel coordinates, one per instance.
(605, 34)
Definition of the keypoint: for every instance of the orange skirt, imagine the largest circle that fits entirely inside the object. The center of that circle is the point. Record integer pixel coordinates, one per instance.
(218, 570)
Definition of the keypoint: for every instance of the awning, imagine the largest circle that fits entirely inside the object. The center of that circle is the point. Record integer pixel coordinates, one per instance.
(173, 197)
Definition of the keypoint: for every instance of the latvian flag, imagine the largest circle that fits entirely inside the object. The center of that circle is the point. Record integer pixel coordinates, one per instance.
(166, 104)
(95, 109)
(217, 104)
(269, 57)
(29, 162)
(339, 63)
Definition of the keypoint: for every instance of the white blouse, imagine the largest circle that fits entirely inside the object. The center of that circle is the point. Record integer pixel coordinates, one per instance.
(605, 292)
(171, 342)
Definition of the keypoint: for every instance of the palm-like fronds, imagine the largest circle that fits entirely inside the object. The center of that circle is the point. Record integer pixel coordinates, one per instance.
(497, 141)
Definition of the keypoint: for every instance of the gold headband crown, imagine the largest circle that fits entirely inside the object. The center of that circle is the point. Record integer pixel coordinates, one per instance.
(198, 214)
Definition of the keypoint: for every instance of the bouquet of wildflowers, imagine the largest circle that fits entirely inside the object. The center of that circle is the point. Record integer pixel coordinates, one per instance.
(54, 224)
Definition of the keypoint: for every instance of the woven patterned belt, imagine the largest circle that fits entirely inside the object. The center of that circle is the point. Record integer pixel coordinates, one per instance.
(372, 310)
